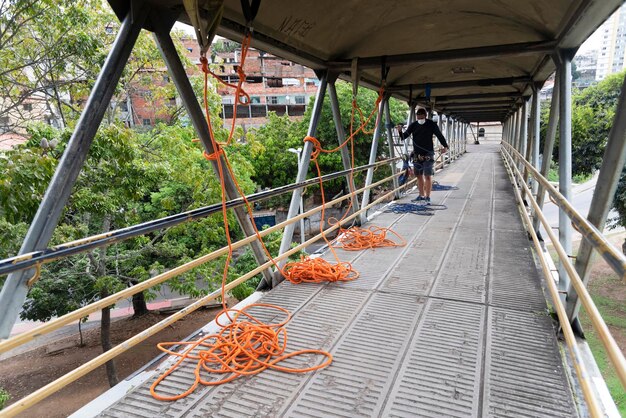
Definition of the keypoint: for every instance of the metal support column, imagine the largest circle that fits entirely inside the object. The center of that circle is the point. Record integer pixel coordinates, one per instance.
(372, 160)
(505, 126)
(392, 151)
(16, 287)
(190, 101)
(548, 145)
(523, 136)
(508, 130)
(448, 136)
(514, 129)
(341, 135)
(410, 120)
(535, 132)
(565, 161)
(455, 137)
(464, 138)
(612, 166)
(285, 244)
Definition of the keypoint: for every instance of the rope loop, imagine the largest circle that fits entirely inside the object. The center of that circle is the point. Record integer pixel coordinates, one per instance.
(317, 146)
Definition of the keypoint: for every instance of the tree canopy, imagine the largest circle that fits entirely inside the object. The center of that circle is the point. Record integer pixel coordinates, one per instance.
(593, 111)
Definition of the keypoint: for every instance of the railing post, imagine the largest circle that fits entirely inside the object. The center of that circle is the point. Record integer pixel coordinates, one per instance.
(612, 167)
(188, 97)
(304, 168)
(565, 162)
(392, 151)
(341, 135)
(370, 172)
(548, 145)
(15, 288)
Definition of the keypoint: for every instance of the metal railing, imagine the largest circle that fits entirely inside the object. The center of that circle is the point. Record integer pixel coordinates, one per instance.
(616, 260)
(26, 261)
(35, 258)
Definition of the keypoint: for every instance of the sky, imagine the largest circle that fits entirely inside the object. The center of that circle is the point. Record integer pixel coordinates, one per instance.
(593, 42)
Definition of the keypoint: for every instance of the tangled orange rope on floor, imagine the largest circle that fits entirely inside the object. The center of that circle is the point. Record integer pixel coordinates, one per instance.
(241, 348)
(316, 270)
(357, 239)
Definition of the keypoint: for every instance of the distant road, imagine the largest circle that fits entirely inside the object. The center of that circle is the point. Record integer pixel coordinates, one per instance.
(581, 199)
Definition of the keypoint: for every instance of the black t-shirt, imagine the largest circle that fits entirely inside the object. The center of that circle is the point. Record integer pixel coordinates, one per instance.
(423, 136)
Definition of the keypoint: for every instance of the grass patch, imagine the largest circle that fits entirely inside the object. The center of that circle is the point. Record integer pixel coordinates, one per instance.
(613, 312)
(606, 368)
(4, 397)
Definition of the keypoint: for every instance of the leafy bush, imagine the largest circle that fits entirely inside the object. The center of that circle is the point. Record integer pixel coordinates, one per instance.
(4, 397)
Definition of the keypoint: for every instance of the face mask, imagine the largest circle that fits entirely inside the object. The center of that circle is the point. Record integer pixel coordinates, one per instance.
(421, 121)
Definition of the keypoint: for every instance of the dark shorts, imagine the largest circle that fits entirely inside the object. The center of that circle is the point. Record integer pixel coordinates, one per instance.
(425, 167)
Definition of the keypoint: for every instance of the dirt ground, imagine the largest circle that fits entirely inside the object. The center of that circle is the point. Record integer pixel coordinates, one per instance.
(22, 374)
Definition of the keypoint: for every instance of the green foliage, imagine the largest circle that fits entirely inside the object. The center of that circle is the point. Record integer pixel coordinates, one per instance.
(4, 397)
(128, 178)
(275, 166)
(593, 112)
(54, 49)
(614, 313)
(51, 48)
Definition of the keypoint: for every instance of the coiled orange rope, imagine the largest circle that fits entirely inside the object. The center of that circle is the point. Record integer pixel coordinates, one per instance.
(357, 239)
(241, 348)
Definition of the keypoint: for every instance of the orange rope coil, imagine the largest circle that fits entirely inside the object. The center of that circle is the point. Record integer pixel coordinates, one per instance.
(317, 270)
(357, 239)
(241, 348)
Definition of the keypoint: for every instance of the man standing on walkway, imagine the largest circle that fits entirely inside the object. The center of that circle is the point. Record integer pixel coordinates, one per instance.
(424, 154)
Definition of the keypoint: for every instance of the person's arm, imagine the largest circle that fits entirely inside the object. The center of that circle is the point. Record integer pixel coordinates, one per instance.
(407, 133)
(440, 136)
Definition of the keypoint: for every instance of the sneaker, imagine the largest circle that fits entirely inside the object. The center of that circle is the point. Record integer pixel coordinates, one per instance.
(418, 199)
(427, 199)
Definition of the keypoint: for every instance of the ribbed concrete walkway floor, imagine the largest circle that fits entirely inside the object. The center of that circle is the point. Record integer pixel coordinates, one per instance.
(452, 325)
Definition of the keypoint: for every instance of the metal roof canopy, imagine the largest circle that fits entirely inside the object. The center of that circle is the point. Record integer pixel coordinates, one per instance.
(454, 49)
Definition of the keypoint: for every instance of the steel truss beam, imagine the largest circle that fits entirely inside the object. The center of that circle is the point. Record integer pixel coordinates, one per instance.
(451, 55)
(483, 82)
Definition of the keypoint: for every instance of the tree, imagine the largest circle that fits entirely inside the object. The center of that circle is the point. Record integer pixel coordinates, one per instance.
(273, 166)
(593, 112)
(50, 51)
(127, 179)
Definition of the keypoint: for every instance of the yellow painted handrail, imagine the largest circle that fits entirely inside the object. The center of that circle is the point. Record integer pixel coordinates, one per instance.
(570, 339)
(613, 351)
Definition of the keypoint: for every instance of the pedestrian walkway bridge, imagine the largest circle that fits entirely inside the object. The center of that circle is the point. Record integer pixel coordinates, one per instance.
(453, 324)
(456, 322)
